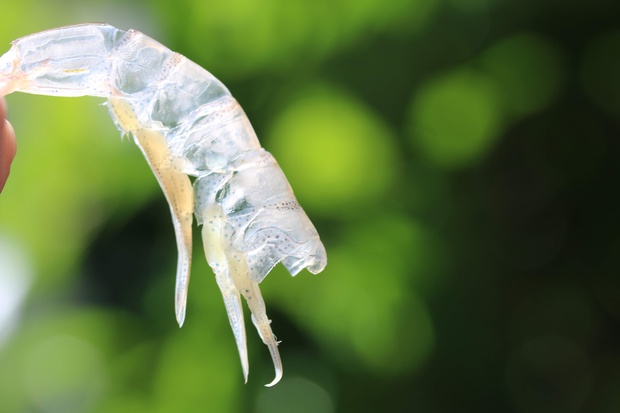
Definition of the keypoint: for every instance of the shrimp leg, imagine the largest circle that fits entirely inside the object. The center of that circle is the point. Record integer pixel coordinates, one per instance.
(232, 271)
(212, 235)
(251, 292)
(176, 187)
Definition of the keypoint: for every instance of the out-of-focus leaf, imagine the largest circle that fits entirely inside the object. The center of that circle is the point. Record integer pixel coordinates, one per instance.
(529, 70)
(338, 155)
(455, 118)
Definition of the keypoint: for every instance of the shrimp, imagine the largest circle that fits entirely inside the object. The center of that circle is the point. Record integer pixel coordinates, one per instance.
(186, 123)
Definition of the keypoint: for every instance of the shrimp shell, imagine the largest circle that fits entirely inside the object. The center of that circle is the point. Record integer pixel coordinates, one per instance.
(186, 123)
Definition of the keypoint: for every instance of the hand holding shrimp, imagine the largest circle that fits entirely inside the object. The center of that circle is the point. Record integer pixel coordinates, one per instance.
(186, 123)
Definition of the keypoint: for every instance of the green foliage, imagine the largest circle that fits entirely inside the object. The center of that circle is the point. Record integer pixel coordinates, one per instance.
(455, 119)
(349, 150)
(601, 64)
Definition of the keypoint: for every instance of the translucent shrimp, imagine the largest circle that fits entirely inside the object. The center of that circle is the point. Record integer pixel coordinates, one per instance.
(186, 123)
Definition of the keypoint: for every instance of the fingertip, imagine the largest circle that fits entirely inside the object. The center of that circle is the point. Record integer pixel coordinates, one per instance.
(9, 142)
(8, 148)
(3, 108)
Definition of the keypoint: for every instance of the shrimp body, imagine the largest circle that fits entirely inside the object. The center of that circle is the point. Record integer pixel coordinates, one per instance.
(186, 123)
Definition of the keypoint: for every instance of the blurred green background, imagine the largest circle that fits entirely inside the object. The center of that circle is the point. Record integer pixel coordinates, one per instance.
(460, 159)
